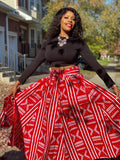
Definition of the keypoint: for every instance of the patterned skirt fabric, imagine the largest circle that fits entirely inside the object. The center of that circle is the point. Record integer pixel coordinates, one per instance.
(64, 117)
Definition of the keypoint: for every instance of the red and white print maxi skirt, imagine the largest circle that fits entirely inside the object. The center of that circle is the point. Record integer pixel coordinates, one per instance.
(64, 117)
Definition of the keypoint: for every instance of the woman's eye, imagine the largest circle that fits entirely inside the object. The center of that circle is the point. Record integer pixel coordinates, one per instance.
(73, 19)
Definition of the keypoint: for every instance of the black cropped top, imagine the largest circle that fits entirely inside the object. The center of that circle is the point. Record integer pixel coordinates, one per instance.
(66, 55)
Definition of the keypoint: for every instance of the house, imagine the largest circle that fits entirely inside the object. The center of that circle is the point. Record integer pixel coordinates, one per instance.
(20, 31)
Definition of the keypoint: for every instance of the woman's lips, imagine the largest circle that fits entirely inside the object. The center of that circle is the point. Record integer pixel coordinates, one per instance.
(69, 25)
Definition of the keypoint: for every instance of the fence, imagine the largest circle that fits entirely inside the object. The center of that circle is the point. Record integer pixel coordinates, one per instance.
(12, 63)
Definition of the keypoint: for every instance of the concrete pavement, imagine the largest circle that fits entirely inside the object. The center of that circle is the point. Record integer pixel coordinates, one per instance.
(113, 73)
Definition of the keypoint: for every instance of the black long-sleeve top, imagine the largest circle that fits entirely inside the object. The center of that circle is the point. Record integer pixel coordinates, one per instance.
(65, 55)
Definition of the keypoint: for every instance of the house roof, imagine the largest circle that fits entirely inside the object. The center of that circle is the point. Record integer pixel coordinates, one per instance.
(10, 11)
(17, 14)
(26, 16)
(5, 7)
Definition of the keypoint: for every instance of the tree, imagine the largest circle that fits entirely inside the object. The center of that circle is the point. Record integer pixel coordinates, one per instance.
(100, 21)
(110, 26)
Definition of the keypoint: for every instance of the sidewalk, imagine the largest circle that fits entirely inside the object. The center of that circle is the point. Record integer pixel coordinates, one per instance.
(113, 73)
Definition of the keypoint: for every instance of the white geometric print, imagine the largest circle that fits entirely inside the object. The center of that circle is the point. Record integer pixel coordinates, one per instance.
(64, 117)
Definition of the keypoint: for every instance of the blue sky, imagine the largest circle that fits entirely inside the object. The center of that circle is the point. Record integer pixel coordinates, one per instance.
(108, 1)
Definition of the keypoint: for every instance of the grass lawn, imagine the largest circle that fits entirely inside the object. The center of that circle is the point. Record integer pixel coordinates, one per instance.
(118, 65)
(89, 74)
(105, 62)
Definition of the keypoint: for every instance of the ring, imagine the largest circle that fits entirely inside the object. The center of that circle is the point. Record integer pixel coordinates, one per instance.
(12, 97)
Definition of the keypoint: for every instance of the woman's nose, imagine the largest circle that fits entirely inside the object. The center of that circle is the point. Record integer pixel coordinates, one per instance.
(70, 20)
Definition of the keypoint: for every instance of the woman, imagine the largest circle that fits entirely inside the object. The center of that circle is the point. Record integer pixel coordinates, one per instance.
(64, 116)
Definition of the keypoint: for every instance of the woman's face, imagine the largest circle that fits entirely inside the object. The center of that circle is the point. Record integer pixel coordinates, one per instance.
(67, 22)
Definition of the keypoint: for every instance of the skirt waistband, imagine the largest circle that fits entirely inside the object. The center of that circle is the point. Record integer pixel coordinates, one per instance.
(62, 67)
(71, 70)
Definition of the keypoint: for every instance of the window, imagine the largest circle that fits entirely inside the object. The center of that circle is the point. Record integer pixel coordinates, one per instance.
(32, 38)
(32, 4)
(44, 11)
(38, 39)
(22, 3)
(23, 40)
(38, 5)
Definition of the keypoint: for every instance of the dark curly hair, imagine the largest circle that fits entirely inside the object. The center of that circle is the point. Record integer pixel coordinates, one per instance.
(54, 29)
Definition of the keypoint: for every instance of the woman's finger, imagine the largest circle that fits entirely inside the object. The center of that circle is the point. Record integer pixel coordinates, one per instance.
(117, 94)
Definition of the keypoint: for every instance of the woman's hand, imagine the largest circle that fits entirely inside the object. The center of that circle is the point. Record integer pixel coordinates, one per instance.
(14, 89)
(116, 90)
